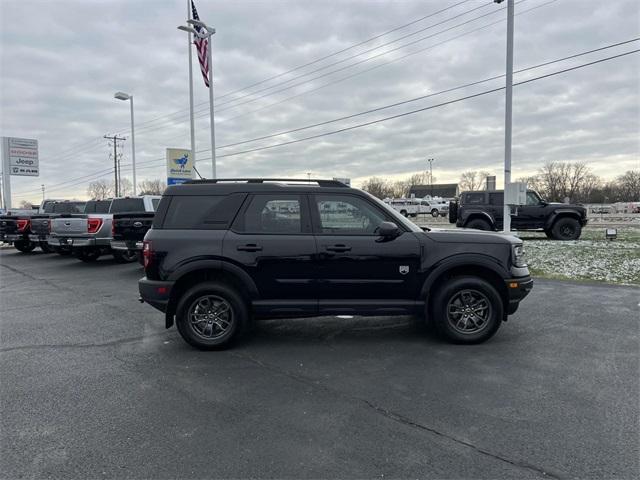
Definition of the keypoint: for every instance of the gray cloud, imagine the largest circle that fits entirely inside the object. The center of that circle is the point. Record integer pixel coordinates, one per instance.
(59, 76)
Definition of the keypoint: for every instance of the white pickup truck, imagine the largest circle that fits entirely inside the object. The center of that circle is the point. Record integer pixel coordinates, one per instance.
(89, 235)
(412, 207)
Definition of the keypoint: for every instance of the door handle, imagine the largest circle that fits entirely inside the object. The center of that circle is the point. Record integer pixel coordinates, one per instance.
(338, 248)
(250, 247)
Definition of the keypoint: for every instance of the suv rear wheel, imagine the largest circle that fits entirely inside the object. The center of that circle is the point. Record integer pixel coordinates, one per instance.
(478, 224)
(467, 310)
(211, 315)
(566, 229)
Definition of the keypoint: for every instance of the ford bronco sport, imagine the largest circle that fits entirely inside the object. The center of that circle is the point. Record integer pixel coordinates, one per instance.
(221, 253)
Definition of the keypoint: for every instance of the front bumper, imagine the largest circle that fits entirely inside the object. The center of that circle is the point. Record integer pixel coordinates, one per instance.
(154, 292)
(517, 289)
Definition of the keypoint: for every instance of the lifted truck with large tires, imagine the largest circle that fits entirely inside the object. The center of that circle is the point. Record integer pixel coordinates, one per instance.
(483, 210)
(221, 253)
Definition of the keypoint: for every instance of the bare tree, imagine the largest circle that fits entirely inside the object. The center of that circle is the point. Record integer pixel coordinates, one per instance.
(377, 187)
(629, 186)
(473, 180)
(152, 187)
(126, 187)
(100, 189)
(26, 204)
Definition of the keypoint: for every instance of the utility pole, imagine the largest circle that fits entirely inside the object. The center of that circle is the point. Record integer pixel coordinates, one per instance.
(430, 160)
(42, 185)
(116, 162)
(508, 115)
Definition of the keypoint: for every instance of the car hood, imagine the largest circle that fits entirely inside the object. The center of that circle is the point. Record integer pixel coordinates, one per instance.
(468, 235)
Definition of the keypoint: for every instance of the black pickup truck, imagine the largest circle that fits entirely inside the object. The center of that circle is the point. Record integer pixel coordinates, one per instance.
(483, 210)
(129, 228)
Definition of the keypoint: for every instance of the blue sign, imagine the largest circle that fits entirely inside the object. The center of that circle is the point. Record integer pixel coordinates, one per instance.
(176, 181)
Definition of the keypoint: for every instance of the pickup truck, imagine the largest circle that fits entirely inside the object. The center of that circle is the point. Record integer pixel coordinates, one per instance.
(16, 226)
(128, 229)
(40, 223)
(89, 235)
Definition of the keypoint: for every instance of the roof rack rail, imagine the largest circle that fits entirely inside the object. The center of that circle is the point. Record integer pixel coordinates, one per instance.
(320, 182)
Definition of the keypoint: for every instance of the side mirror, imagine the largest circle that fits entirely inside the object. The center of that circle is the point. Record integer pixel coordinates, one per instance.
(388, 230)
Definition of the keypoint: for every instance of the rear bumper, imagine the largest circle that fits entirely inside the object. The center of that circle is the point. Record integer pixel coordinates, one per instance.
(13, 237)
(126, 245)
(584, 221)
(154, 292)
(517, 289)
(38, 238)
(78, 241)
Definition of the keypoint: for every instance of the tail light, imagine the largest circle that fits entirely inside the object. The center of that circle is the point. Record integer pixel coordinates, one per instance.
(147, 253)
(93, 224)
(113, 228)
(23, 224)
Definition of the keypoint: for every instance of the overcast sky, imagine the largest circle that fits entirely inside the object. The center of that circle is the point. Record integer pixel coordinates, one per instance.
(62, 61)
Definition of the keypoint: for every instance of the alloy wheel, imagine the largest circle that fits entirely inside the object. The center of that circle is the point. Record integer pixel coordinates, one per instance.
(210, 317)
(469, 311)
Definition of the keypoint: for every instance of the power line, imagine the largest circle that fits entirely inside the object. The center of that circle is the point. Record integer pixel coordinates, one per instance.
(313, 62)
(167, 121)
(422, 97)
(457, 100)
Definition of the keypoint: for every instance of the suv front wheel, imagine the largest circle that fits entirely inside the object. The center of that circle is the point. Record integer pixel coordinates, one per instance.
(467, 310)
(211, 315)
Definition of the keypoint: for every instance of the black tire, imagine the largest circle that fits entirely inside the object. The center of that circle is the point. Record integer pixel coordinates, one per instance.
(453, 212)
(478, 224)
(435, 213)
(125, 256)
(87, 255)
(566, 228)
(403, 212)
(452, 319)
(44, 246)
(195, 334)
(24, 246)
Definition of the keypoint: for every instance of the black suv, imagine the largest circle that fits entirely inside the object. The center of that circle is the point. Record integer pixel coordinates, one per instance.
(222, 252)
(484, 211)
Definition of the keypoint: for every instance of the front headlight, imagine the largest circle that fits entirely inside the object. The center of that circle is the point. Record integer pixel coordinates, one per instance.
(517, 254)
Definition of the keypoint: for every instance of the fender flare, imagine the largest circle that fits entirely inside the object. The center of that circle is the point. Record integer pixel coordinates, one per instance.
(565, 212)
(213, 263)
(461, 260)
(481, 213)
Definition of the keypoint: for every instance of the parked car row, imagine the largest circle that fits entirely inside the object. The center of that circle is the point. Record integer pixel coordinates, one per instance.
(412, 207)
(84, 229)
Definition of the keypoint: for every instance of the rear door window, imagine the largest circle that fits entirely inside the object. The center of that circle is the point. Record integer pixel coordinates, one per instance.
(124, 205)
(202, 212)
(272, 214)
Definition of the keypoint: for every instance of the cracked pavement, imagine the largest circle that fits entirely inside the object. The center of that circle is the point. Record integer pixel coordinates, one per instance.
(92, 385)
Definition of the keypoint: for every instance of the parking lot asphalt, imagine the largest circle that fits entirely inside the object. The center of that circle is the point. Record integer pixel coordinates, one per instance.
(93, 386)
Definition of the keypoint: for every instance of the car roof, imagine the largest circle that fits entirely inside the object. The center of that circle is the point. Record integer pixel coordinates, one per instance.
(246, 185)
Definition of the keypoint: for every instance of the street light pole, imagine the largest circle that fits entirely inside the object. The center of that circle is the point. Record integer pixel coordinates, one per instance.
(430, 160)
(42, 185)
(126, 96)
(508, 115)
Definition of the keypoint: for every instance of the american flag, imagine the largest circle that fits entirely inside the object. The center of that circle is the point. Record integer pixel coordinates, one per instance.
(201, 46)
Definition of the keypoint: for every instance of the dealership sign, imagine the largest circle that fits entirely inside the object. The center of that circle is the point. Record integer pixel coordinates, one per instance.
(23, 156)
(179, 166)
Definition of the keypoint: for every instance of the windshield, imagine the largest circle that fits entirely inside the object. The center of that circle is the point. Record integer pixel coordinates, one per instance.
(398, 218)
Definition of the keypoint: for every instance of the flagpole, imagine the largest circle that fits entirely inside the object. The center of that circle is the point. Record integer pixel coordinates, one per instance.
(191, 118)
(213, 131)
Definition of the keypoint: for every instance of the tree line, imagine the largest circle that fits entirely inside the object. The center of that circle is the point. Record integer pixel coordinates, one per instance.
(101, 189)
(555, 181)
